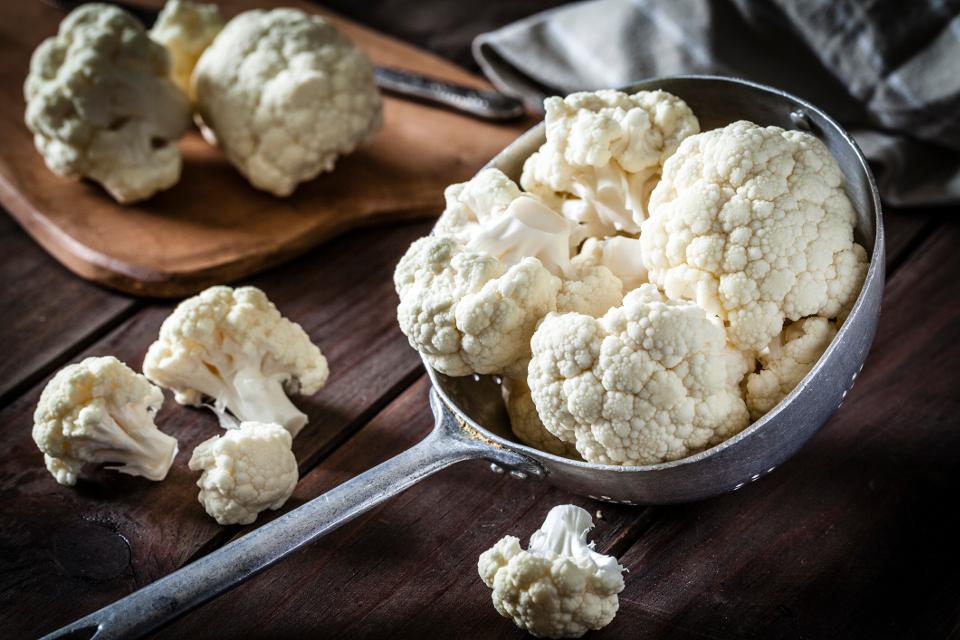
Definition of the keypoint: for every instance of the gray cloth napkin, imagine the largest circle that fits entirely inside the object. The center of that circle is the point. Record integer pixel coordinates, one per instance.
(889, 70)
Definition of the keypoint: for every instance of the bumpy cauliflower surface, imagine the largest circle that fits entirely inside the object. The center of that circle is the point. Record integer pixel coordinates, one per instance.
(101, 411)
(651, 381)
(753, 224)
(525, 422)
(559, 587)
(245, 471)
(786, 361)
(233, 348)
(101, 105)
(285, 94)
(186, 29)
(465, 312)
(603, 155)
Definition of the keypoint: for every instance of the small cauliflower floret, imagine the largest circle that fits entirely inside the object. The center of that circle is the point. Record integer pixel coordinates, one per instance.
(603, 155)
(753, 224)
(101, 105)
(186, 29)
(465, 312)
(786, 361)
(232, 350)
(245, 471)
(559, 587)
(285, 94)
(622, 255)
(101, 411)
(526, 423)
(651, 381)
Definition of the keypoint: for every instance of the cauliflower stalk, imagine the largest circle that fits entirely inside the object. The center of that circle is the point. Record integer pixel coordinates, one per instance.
(652, 380)
(284, 94)
(101, 105)
(559, 587)
(245, 471)
(753, 224)
(232, 347)
(101, 411)
(186, 29)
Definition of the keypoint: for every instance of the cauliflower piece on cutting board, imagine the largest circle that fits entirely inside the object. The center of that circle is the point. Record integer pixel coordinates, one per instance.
(101, 105)
(186, 29)
(285, 94)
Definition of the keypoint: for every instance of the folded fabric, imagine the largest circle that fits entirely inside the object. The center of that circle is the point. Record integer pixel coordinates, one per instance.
(889, 71)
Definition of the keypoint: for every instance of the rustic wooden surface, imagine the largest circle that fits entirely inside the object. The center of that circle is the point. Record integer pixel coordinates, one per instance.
(854, 537)
(213, 227)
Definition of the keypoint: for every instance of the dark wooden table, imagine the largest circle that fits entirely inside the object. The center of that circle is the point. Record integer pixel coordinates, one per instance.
(854, 537)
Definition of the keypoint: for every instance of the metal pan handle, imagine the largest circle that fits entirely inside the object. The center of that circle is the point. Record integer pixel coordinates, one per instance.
(171, 596)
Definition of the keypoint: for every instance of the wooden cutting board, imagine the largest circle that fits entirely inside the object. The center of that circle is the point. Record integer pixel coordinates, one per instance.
(213, 227)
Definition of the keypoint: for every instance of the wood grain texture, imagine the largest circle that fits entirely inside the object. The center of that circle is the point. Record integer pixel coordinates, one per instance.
(66, 551)
(213, 226)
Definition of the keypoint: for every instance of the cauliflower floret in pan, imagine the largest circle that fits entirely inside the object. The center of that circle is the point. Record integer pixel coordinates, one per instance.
(231, 348)
(101, 411)
(525, 422)
(101, 105)
(559, 587)
(753, 224)
(186, 29)
(285, 94)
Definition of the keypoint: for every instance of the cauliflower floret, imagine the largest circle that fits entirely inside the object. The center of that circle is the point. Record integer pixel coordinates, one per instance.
(788, 359)
(603, 155)
(233, 348)
(245, 471)
(753, 224)
(285, 94)
(186, 29)
(101, 105)
(101, 411)
(467, 313)
(526, 423)
(622, 255)
(651, 381)
(559, 587)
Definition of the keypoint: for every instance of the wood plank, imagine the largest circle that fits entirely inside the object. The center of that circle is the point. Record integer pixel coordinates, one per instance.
(855, 537)
(66, 551)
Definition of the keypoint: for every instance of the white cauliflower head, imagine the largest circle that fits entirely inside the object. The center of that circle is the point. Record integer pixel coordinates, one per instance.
(285, 94)
(465, 312)
(790, 356)
(559, 587)
(101, 411)
(603, 155)
(753, 224)
(245, 471)
(186, 29)
(101, 105)
(232, 347)
(525, 422)
(651, 381)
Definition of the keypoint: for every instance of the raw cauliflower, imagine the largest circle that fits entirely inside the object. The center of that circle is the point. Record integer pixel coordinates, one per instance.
(753, 224)
(186, 29)
(245, 471)
(603, 155)
(232, 350)
(786, 361)
(101, 105)
(559, 587)
(622, 255)
(525, 422)
(651, 381)
(285, 94)
(101, 411)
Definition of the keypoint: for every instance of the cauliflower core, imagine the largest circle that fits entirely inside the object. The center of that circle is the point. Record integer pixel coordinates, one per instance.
(233, 348)
(186, 29)
(525, 422)
(753, 224)
(285, 94)
(101, 411)
(559, 587)
(245, 471)
(651, 381)
(101, 105)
